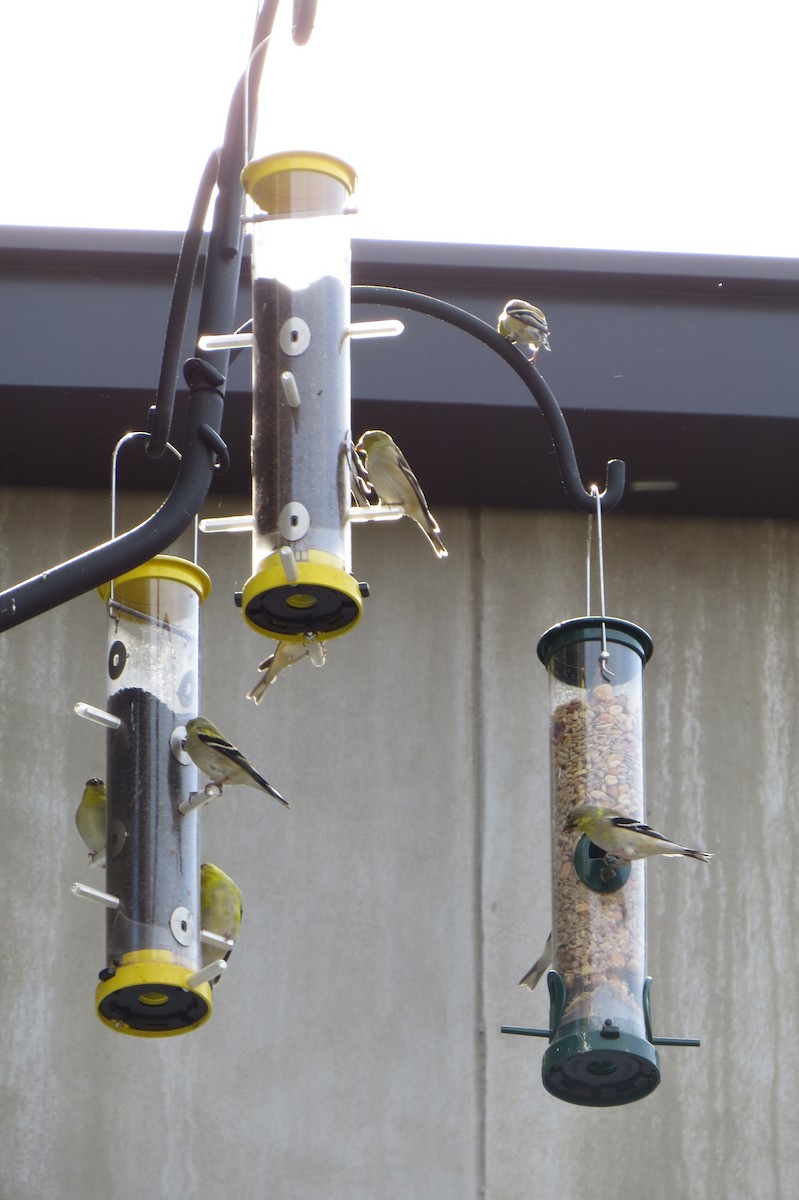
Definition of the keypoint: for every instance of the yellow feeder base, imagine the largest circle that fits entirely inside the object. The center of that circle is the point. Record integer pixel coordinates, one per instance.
(325, 600)
(148, 997)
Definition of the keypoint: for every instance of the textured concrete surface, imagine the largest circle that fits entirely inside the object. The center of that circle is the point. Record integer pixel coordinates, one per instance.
(354, 1050)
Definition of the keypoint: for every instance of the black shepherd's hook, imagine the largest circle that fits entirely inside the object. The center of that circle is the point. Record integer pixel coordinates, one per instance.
(203, 451)
(223, 257)
(532, 379)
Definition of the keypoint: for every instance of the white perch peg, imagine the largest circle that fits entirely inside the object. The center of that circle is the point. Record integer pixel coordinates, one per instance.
(317, 652)
(289, 564)
(290, 389)
(98, 715)
(375, 329)
(210, 972)
(198, 799)
(377, 512)
(225, 341)
(242, 524)
(216, 939)
(90, 893)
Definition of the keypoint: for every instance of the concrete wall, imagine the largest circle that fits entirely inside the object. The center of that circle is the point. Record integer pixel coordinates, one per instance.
(354, 1050)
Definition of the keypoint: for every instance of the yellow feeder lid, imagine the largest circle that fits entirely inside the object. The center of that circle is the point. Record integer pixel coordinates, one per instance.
(299, 182)
(168, 568)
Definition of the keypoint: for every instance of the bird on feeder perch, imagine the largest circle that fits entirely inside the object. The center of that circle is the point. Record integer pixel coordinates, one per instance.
(395, 483)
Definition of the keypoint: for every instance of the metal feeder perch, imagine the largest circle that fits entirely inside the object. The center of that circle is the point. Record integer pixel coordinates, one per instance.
(153, 984)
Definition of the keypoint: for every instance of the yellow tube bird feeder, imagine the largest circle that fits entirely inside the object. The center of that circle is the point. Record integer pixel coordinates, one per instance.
(149, 985)
(302, 586)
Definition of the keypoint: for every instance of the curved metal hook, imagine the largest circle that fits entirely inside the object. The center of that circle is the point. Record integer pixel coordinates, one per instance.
(530, 376)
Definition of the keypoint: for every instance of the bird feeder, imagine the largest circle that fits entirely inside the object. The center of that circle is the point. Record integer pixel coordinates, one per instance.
(149, 986)
(301, 586)
(600, 1051)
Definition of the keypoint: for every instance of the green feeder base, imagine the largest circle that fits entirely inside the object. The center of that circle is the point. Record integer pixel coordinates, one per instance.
(599, 1067)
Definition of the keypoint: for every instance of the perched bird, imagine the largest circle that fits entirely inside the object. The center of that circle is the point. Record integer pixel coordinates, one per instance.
(285, 655)
(524, 323)
(538, 968)
(624, 838)
(395, 483)
(90, 817)
(216, 757)
(221, 907)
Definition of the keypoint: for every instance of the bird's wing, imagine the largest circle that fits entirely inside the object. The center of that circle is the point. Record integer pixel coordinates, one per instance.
(629, 823)
(222, 746)
(404, 466)
(528, 317)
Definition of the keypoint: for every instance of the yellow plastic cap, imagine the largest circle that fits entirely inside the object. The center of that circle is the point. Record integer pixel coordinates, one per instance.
(167, 567)
(299, 182)
(325, 599)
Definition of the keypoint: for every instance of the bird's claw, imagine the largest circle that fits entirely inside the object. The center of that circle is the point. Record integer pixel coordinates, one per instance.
(611, 861)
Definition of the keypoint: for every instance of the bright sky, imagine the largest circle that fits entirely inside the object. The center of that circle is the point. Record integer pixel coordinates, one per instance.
(609, 125)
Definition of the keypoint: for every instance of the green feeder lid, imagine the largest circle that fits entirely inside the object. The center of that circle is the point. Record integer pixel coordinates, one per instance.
(589, 629)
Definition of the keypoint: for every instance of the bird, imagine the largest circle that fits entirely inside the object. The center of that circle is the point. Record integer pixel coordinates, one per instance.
(395, 483)
(90, 817)
(521, 322)
(538, 968)
(221, 907)
(218, 758)
(285, 655)
(623, 838)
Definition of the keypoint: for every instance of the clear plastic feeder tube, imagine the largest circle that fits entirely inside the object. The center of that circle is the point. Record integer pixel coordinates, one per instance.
(152, 853)
(600, 1052)
(301, 365)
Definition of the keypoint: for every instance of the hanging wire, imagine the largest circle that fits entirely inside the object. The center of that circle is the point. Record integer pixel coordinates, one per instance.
(130, 437)
(604, 656)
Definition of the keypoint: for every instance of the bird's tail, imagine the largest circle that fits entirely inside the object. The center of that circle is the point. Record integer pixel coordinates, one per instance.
(700, 854)
(436, 542)
(533, 976)
(431, 528)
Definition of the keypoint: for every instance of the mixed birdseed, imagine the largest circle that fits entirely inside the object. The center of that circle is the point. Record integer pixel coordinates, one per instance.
(598, 937)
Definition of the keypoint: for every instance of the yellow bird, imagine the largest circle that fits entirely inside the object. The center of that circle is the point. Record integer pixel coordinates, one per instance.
(286, 654)
(624, 838)
(91, 816)
(218, 758)
(221, 907)
(395, 483)
(521, 322)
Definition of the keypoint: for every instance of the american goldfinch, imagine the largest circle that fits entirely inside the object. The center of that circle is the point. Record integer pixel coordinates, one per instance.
(395, 483)
(221, 904)
(523, 322)
(624, 838)
(216, 757)
(285, 655)
(538, 968)
(221, 909)
(91, 816)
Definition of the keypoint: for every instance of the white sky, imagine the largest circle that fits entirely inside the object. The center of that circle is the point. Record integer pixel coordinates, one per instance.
(621, 124)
